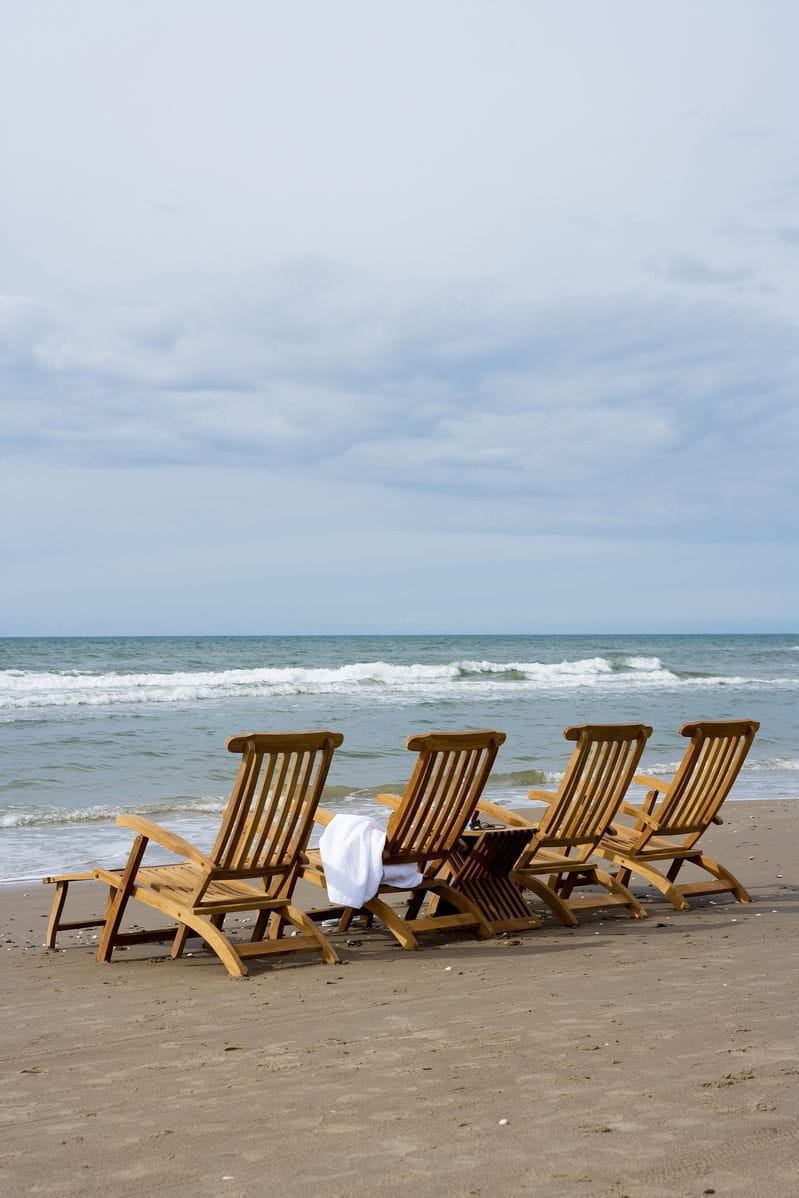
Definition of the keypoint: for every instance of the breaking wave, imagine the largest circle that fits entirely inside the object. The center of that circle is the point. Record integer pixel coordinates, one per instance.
(763, 765)
(28, 689)
(47, 817)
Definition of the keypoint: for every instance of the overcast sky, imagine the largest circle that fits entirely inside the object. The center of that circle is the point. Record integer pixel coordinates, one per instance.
(463, 315)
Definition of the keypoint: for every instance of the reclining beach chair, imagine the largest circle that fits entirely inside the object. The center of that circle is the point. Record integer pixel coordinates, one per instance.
(558, 857)
(669, 830)
(253, 865)
(426, 822)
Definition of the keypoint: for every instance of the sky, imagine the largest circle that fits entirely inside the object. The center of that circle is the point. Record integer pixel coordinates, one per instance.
(472, 316)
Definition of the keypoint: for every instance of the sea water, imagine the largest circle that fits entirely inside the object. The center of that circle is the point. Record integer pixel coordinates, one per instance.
(92, 727)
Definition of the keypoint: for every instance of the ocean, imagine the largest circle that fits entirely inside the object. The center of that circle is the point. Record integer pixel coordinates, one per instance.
(95, 726)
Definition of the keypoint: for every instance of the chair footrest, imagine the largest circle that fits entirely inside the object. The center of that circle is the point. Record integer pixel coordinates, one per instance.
(153, 936)
(431, 923)
(317, 914)
(589, 902)
(289, 944)
(425, 884)
(699, 888)
(80, 923)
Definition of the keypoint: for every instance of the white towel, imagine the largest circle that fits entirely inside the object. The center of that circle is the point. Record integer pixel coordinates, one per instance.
(351, 847)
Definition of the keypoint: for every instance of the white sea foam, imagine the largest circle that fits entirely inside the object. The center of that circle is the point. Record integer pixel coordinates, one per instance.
(21, 689)
(764, 765)
(28, 689)
(773, 763)
(44, 817)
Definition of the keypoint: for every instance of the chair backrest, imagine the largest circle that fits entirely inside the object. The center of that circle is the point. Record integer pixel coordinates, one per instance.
(269, 816)
(704, 778)
(599, 772)
(443, 792)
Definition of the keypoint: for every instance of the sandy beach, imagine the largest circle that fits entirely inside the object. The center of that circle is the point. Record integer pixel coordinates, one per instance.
(639, 1058)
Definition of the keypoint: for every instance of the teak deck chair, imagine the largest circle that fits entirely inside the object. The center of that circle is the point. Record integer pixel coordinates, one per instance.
(423, 829)
(669, 830)
(253, 865)
(558, 858)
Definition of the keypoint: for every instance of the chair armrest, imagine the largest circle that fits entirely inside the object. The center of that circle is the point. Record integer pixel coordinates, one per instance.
(323, 816)
(541, 796)
(387, 800)
(168, 840)
(652, 783)
(509, 818)
(639, 814)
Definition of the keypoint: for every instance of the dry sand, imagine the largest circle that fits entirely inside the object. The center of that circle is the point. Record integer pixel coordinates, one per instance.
(639, 1058)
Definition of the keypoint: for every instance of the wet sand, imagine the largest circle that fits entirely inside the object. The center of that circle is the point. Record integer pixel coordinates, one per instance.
(643, 1058)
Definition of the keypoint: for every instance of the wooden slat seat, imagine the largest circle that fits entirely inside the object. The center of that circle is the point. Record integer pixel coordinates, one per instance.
(179, 882)
(624, 838)
(253, 866)
(424, 828)
(674, 816)
(559, 857)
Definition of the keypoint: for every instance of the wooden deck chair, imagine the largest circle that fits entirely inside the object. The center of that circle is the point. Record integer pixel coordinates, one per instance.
(669, 830)
(443, 791)
(558, 858)
(253, 865)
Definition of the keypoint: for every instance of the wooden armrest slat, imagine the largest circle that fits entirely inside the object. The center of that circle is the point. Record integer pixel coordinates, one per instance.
(389, 800)
(168, 840)
(653, 783)
(639, 814)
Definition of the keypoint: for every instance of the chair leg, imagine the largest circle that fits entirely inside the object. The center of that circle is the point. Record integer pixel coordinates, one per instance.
(415, 904)
(674, 869)
(654, 877)
(59, 898)
(394, 922)
(116, 906)
(300, 920)
(179, 943)
(218, 943)
(615, 887)
(346, 920)
(275, 922)
(566, 886)
(553, 900)
(184, 932)
(724, 875)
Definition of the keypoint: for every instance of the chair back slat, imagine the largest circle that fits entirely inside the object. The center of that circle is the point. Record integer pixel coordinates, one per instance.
(269, 816)
(457, 772)
(710, 765)
(597, 776)
(251, 813)
(234, 817)
(263, 813)
(290, 826)
(442, 793)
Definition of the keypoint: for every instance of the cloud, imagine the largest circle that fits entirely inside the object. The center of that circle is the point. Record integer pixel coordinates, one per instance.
(628, 413)
(24, 325)
(787, 234)
(247, 251)
(687, 269)
(166, 207)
